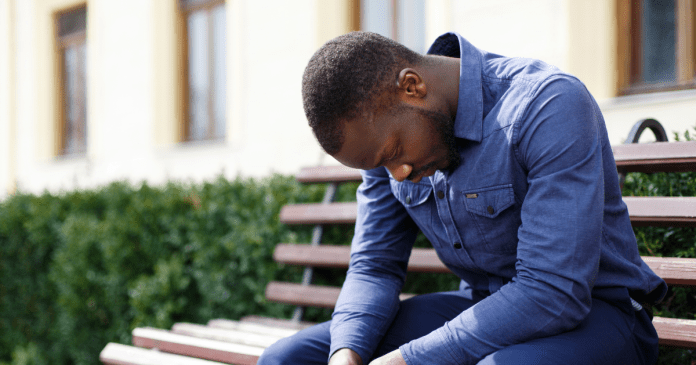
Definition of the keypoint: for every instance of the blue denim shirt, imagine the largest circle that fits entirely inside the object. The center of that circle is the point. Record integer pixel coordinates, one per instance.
(532, 220)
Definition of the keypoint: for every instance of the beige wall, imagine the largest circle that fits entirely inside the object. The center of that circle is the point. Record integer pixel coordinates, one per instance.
(579, 36)
(592, 45)
(134, 92)
(135, 77)
(530, 28)
(6, 98)
(674, 110)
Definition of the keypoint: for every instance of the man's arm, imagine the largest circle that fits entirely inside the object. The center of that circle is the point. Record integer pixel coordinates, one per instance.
(559, 144)
(369, 299)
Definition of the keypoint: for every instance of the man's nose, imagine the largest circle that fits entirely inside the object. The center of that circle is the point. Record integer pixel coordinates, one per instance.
(400, 172)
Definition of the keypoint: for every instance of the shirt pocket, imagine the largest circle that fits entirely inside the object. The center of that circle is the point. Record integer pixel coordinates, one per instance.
(496, 216)
(410, 194)
(416, 198)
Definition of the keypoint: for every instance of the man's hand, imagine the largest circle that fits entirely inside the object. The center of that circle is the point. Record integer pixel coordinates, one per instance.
(392, 358)
(345, 356)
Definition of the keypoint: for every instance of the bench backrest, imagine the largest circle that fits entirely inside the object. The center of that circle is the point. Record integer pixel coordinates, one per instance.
(643, 211)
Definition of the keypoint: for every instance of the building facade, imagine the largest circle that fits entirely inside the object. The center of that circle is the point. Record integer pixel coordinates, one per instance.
(93, 91)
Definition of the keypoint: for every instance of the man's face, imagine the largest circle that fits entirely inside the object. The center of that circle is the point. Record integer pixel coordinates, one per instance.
(410, 142)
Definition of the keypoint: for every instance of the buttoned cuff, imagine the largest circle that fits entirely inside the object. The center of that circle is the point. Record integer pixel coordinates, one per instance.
(354, 337)
(430, 349)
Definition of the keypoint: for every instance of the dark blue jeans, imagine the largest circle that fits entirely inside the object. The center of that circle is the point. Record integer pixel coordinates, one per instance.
(609, 335)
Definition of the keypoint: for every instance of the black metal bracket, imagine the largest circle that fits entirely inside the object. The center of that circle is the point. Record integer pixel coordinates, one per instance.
(652, 124)
(634, 136)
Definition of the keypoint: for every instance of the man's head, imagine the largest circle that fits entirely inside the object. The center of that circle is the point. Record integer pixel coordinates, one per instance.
(365, 98)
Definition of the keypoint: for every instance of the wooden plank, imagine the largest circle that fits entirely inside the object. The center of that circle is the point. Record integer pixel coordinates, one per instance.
(278, 322)
(646, 157)
(307, 295)
(656, 157)
(676, 332)
(322, 174)
(662, 211)
(317, 213)
(225, 352)
(316, 256)
(227, 335)
(675, 271)
(252, 327)
(422, 259)
(118, 354)
(303, 295)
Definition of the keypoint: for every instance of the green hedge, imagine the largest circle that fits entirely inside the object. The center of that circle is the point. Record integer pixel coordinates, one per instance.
(84, 268)
(81, 269)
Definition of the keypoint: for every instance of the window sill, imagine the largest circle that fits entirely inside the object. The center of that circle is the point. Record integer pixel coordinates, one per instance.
(657, 88)
(203, 143)
(645, 99)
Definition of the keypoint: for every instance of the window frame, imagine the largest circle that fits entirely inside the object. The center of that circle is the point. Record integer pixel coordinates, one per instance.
(62, 43)
(629, 60)
(357, 22)
(185, 10)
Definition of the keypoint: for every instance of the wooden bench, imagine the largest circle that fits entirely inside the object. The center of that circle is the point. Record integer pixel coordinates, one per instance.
(241, 342)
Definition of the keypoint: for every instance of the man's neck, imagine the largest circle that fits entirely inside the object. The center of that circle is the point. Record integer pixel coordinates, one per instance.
(444, 71)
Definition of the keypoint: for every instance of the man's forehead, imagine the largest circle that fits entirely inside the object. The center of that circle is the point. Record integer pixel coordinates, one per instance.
(361, 144)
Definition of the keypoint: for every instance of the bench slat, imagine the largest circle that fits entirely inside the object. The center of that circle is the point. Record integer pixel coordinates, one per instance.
(656, 157)
(676, 332)
(654, 211)
(675, 271)
(316, 213)
(307, 295)
(422, 259)
(661, 211)
(297, 294)
(323, 174)
(118, 354)
(278, 322)
(253, 327)
(227, 335)
(226, 352)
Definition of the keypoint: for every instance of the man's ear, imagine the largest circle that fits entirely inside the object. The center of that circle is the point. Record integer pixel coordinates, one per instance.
(411, 84)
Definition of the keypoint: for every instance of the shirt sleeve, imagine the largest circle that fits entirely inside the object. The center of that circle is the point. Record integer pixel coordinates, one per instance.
(381, 246)
(558, 142)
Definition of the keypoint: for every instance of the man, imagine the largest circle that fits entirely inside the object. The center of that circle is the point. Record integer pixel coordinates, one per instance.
(505, 165)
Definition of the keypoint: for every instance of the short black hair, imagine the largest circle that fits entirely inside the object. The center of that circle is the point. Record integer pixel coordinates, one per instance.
(345, 77)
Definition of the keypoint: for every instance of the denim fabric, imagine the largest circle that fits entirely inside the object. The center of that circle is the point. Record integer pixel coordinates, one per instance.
(608, 335)
(532, 220)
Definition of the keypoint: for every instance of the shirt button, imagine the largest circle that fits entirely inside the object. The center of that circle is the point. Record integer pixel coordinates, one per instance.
(490, 210)
(457, 245)
(440, 194)
(408, 200)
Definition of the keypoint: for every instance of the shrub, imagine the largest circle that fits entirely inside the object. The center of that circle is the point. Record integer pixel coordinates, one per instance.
(84, 268)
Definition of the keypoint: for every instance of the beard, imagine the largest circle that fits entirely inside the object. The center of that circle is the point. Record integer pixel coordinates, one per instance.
(444, 126)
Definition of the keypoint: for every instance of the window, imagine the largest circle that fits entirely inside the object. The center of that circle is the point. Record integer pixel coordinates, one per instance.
(400, 20)
(72, 51)
(206, 68)
(656, 45)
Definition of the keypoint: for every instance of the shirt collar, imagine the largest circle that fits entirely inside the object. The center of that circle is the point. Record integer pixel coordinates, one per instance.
(468, 123)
